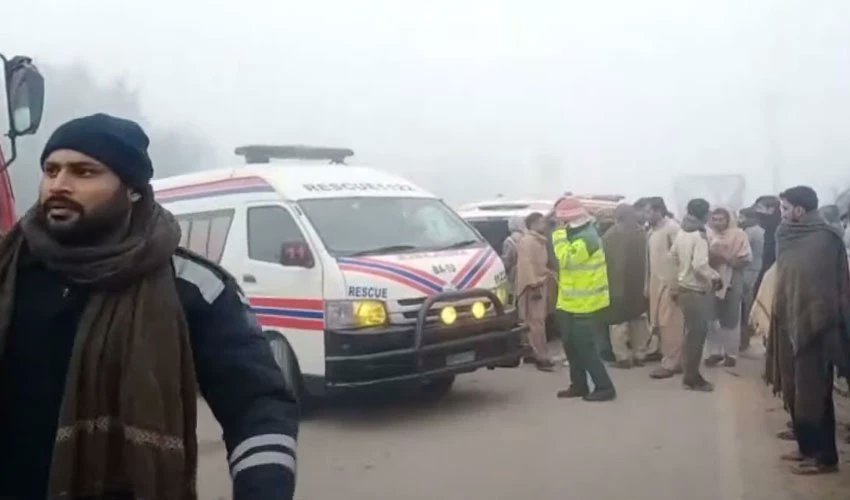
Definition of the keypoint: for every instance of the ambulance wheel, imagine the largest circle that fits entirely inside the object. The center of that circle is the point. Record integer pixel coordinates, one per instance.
(287, 362)
(437, 389)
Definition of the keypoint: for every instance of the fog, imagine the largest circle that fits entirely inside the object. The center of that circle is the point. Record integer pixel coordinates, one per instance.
(473, 98)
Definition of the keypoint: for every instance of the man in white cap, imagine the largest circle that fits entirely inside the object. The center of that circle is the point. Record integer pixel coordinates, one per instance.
(582, 297)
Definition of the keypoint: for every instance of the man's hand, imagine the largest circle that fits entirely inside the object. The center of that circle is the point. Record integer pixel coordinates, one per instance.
(674, 293)
(717, 284)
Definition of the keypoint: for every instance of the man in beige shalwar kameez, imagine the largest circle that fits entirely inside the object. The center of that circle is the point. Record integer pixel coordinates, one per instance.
(665, 316)
(533, 280)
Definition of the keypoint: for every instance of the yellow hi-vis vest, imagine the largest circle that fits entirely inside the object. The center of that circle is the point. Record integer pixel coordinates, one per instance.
(582, 276)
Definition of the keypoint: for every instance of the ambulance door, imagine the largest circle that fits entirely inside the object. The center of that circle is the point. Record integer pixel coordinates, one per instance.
(283, 279)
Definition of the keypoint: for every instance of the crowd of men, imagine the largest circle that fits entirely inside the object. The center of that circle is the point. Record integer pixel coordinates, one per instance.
(704, 286)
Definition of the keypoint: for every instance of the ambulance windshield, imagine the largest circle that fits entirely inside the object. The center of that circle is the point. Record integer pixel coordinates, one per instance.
(372, 226)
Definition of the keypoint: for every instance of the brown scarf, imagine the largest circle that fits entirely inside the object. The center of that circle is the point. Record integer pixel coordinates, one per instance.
(128, 416)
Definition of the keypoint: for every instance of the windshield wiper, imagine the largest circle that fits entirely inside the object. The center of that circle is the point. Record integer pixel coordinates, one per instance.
(385, 249)
(459, 244)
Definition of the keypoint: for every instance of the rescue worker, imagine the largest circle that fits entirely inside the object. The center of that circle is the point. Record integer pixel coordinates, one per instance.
(110, 332)
(582, 300)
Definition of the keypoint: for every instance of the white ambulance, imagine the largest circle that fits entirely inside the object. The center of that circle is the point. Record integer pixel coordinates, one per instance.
(358, 277)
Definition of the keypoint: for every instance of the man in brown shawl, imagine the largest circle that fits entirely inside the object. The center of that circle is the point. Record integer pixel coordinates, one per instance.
(809, 331)
(533, 282)
(625, 254)
(108, 331)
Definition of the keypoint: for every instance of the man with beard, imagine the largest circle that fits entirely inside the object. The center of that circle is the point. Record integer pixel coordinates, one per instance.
(695, 287)
(109, 332)
(809, 331)
(665, 316)
(767, 209)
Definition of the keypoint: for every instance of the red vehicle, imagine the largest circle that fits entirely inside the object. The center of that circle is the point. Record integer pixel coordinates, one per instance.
(23, 87)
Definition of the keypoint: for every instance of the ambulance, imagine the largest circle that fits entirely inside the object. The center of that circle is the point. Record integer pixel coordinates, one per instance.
(359, 278)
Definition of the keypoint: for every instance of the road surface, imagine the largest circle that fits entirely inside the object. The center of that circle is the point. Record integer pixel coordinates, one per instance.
(502, 435)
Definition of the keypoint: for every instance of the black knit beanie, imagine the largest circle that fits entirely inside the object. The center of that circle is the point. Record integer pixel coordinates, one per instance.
(119, 144)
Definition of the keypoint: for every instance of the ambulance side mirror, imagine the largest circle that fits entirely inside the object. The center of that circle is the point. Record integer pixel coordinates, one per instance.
(296, 254)
(24, 94)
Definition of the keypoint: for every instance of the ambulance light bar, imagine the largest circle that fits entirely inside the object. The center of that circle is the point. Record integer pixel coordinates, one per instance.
(264, 154)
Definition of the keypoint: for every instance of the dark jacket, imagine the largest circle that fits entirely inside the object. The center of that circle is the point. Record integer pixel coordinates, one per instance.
(625, 255)
(236, 373)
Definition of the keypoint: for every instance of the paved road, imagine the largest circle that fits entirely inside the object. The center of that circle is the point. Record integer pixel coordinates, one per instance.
(504, 435)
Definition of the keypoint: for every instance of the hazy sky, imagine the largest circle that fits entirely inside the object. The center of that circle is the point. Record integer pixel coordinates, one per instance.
(473, 98)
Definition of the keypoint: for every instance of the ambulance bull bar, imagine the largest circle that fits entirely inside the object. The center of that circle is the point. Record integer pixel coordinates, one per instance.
(494, 340)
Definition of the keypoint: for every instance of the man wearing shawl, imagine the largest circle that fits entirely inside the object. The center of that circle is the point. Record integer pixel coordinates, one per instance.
(729, 250)
(625, 252)
(516, 226)
(809, 331)
(533, 282)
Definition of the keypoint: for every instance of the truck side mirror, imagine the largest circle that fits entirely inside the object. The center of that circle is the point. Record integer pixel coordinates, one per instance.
(25, 95)
(296, 254)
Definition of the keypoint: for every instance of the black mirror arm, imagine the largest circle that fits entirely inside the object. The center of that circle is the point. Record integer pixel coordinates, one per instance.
(11, 133)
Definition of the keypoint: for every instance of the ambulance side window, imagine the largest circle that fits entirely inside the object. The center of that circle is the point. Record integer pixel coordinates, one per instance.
(268, 229)
(205, 233)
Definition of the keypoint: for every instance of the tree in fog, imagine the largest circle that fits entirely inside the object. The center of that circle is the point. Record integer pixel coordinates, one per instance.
(71, 92)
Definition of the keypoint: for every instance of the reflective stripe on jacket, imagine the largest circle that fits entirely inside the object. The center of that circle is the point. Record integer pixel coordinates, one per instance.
(582, 273)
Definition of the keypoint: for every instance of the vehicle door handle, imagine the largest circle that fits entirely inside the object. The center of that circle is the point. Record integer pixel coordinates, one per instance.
(249, 278)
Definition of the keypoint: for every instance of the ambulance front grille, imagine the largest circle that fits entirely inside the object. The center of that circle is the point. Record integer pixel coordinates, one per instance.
(407, 310)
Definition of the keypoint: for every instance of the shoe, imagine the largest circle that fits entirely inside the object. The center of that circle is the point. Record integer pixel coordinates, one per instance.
(600, 395)
(624, 364)
(572, 392)
(787, 435)
(546, 366)
(653, 357)
(661, 373)
(703, 386)
(713, 360)
(638, 362)
(729, 362)
(794, 456)
(811, 467)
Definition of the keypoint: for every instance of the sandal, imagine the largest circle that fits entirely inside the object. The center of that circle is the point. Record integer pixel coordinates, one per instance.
(787, 435)
(811, 467)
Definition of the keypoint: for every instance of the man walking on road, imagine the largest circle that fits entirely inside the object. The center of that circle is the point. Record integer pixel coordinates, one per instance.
(809, 330)
(582, 298)
(664, 314)
(696, 285)
(729, 252)
(625, 253)
(109, 332)
(533, 281)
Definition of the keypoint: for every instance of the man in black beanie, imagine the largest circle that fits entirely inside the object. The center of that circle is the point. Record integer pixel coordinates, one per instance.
(108, 331)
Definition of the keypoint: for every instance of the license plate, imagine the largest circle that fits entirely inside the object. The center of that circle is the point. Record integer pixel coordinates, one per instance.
(460, 358)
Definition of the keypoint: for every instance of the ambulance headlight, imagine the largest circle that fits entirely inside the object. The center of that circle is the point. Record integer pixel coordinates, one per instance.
(479, 310)
(448, 315)
(347, 314)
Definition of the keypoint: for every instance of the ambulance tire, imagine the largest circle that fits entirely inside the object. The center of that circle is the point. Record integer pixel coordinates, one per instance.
(286, 360)
(437, 389)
